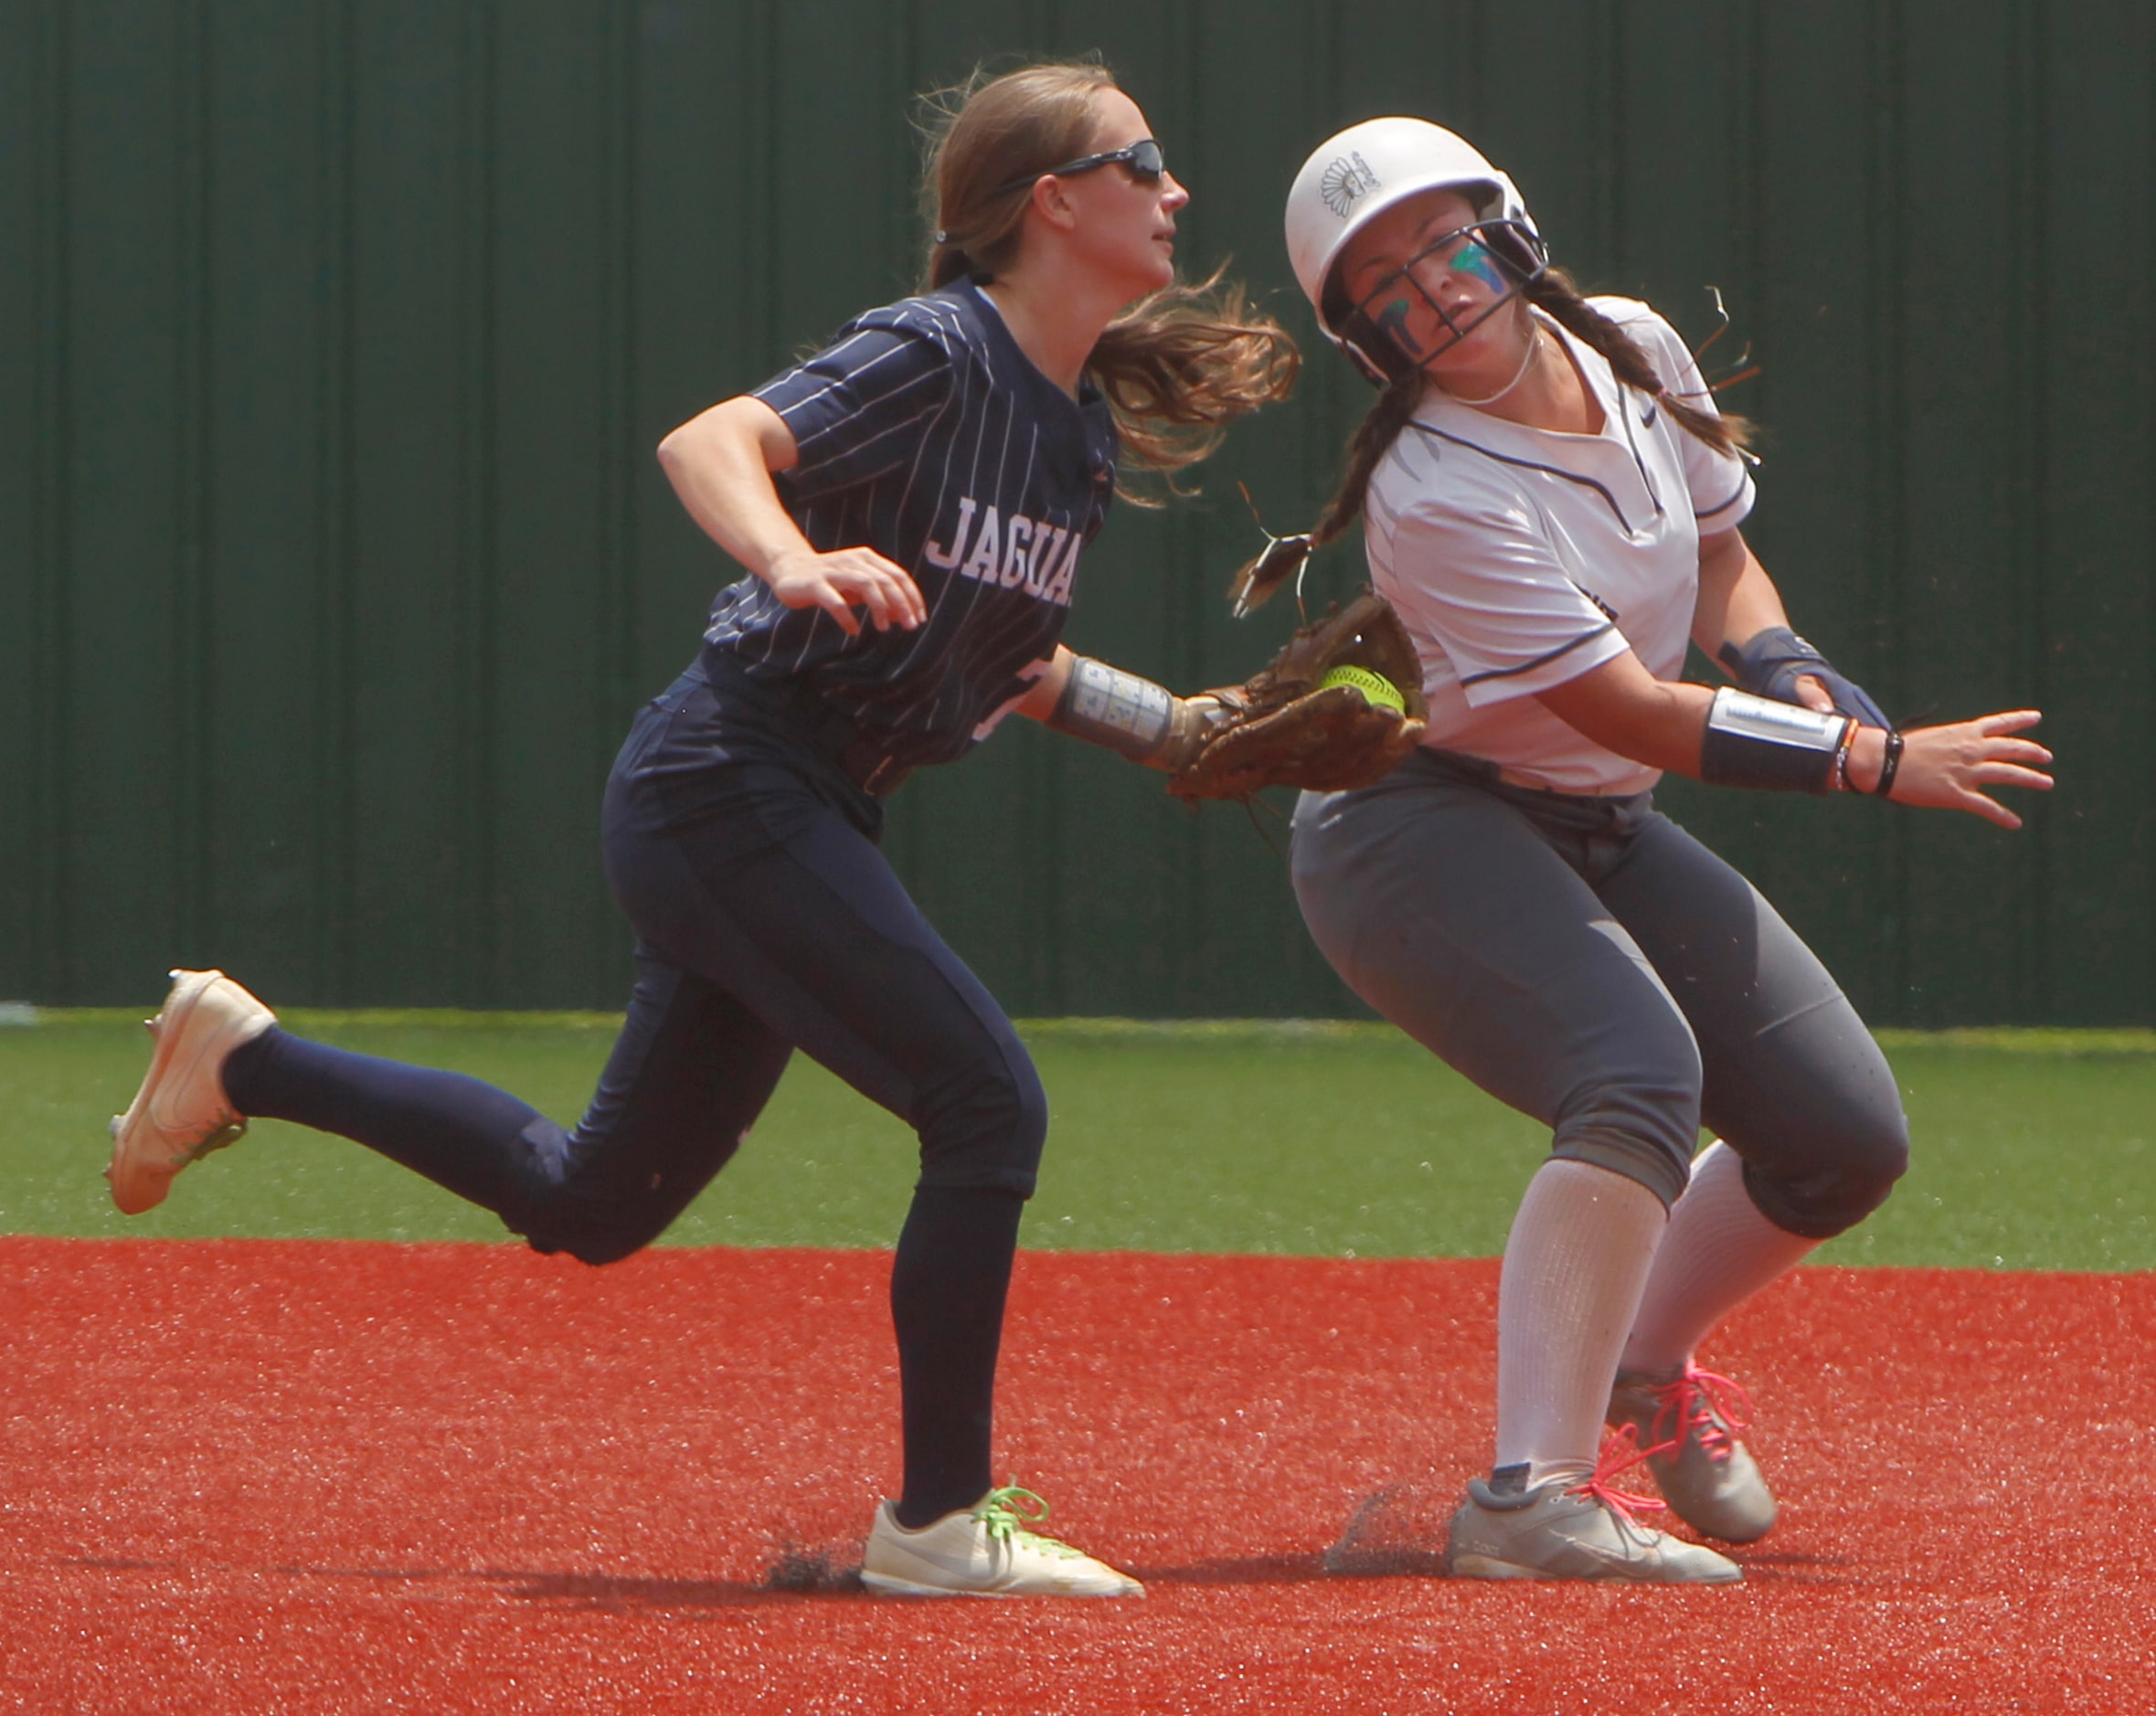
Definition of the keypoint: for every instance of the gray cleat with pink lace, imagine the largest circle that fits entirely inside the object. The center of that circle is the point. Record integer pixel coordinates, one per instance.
(1691, 1426)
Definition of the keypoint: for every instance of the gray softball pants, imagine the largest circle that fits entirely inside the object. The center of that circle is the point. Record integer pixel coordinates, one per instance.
(1589, 963)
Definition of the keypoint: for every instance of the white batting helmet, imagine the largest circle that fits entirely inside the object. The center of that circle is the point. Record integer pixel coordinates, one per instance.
(1355, 176)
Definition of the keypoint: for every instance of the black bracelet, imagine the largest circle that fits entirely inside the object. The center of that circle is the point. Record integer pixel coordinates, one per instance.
(1892, 762)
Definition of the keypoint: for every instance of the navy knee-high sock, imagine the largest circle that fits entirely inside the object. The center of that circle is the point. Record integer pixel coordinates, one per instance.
(948, 1281)
(479, 1142)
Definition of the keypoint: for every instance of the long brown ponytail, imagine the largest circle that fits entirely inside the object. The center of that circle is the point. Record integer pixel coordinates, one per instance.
(1556, 292)
(1178, 366)
(1184, 362)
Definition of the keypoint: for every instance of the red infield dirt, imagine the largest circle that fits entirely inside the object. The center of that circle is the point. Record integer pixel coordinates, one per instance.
(281, 1477)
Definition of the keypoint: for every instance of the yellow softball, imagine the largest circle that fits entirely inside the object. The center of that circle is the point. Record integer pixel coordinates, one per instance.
(1376, 688)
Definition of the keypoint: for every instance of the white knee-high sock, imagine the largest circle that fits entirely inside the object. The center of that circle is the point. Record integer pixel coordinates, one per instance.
(1575, 1264)
(1718, 1252)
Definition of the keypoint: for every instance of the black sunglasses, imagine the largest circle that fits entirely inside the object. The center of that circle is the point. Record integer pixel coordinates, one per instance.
(1142, 157)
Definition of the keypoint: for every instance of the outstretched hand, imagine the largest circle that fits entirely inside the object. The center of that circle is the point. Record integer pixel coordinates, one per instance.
(1947, 767)
(847, 578)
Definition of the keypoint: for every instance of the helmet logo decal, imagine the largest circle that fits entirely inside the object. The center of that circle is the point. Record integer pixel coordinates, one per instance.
(1346, 181)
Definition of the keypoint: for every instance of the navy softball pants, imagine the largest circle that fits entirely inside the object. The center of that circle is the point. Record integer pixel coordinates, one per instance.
(765, 920)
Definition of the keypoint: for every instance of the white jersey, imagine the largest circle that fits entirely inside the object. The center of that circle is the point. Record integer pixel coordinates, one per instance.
(1519, 558)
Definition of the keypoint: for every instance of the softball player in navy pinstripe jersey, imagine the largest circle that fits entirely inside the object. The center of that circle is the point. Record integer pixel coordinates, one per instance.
(914, 503)
(1551, 501)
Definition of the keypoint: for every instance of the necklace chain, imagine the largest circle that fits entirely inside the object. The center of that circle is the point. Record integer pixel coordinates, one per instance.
(1518, 374)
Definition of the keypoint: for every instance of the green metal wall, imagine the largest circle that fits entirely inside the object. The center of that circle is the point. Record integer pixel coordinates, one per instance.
(335, 337)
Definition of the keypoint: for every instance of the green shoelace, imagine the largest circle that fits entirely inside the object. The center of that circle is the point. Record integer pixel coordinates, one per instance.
(1010, 1512)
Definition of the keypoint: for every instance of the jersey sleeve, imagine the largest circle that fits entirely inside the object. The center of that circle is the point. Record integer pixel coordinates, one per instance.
(1483, 583)
(1721, 484)
(855, 407)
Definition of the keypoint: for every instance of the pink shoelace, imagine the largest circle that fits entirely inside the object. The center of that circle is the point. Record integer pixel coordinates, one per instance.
(1704, 1404)
(1620, 1452)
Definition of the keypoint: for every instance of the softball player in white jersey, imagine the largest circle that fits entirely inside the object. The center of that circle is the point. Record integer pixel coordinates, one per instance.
(1552, 503)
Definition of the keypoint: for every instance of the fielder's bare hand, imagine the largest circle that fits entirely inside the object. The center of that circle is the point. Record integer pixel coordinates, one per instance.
(722, 463)
(845, 579)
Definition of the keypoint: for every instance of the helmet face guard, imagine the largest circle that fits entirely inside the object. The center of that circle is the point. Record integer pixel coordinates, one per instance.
(1505, 256)
(1354, 176)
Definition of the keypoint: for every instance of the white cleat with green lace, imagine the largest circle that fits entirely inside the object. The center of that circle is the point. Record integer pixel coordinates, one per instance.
(986, 1551)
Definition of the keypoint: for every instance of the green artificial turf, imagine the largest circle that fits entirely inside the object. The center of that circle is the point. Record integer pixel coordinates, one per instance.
(2033, 1149)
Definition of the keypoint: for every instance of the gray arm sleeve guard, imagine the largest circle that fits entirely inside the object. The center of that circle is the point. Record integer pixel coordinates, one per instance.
(1776, 747)
(1105, 705)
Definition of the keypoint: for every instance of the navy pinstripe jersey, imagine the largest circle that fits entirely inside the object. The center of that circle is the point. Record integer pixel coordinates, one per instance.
(927, 435)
